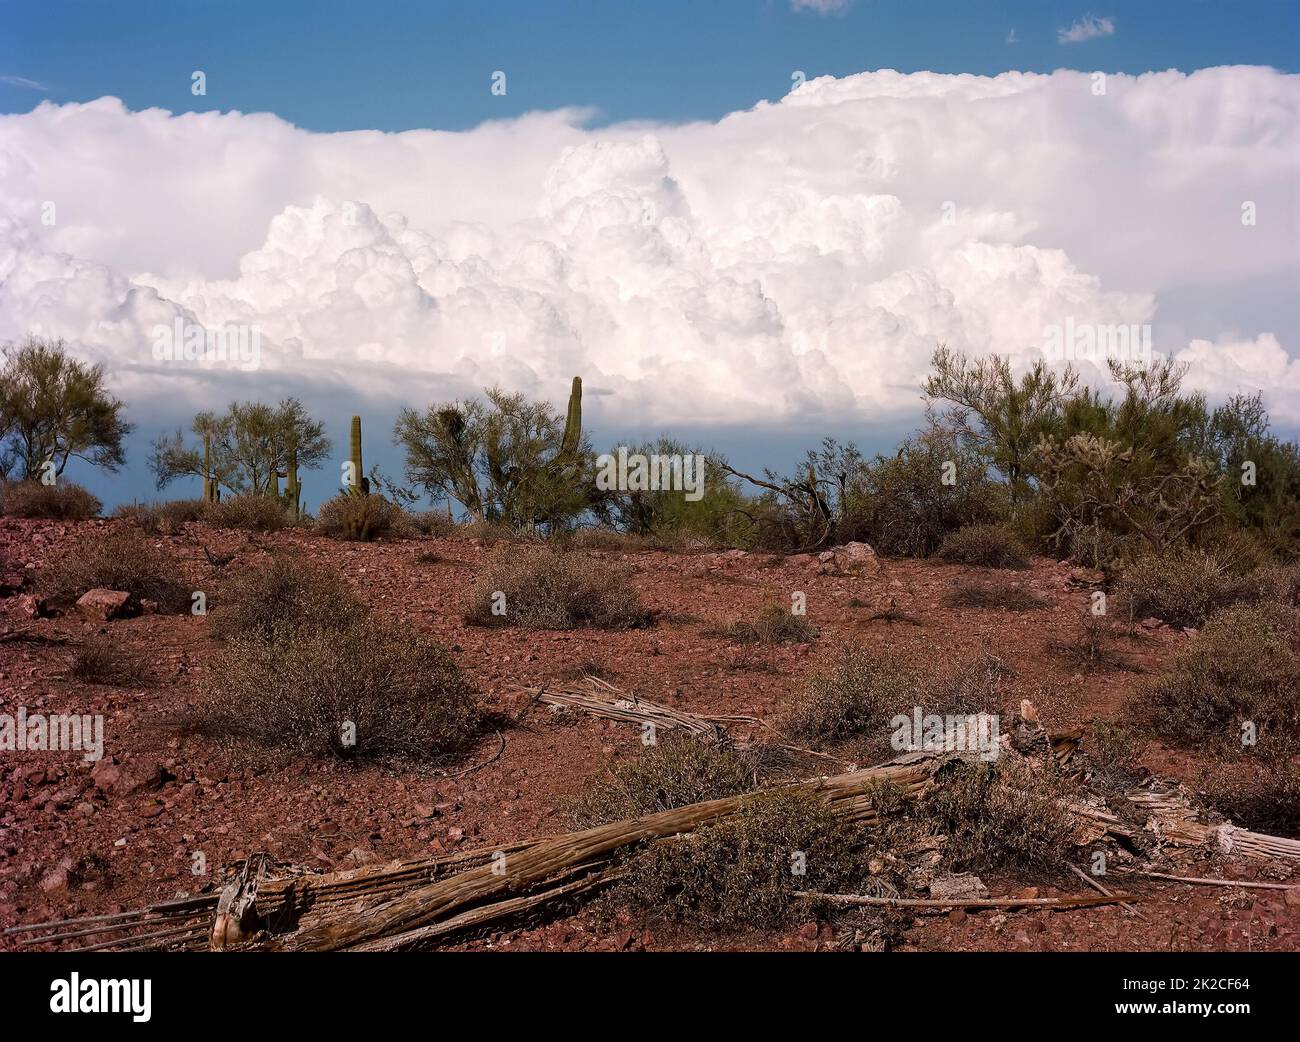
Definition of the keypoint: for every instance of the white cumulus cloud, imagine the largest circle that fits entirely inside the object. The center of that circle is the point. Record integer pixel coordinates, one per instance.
(797, 261)
(1089, 27)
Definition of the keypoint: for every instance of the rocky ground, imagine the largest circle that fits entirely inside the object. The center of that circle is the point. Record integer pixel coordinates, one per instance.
(77, 838)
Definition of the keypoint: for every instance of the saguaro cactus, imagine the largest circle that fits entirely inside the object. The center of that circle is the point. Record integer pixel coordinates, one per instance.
(360, 483)
(573, 422)
(292, 487)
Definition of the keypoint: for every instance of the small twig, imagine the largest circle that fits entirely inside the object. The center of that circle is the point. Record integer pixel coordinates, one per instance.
(1102, 890)
(1077, 900)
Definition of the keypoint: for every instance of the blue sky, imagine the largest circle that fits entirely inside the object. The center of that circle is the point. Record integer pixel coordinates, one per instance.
(396, 64)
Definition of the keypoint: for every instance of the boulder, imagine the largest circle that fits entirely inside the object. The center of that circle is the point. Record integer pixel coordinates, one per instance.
(963, 887)
(135, 775)
(104, 605)
(851, 559)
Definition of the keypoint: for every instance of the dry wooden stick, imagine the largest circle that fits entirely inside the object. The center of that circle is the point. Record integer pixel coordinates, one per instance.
(1102, 890)
(1245, 884)
(1074, 901)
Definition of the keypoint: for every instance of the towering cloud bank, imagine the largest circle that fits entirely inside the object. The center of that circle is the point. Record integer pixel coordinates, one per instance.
(800, 259)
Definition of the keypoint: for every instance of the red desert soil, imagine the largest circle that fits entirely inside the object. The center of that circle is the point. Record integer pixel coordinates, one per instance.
(70, 847)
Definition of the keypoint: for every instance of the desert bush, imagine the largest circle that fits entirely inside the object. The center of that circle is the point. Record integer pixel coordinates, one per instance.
(436, 524)
(1244, 668)
(1114, 752)
(161, 518)
(676, 772)
(250, 511)
(63, 502)
(1263, 796)
(864, 691)
(359, 518)
(401, 693)
(122, 559)
(991, 546)
(774, 625)
(1003, 815)
(739, 872)
(283, 593)
(547, 588)
(1184, 587)
(101, 661)
(1010, 596)
(1090, 645)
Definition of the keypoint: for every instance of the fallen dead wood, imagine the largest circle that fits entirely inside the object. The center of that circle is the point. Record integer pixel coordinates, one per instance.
(1205, 881)
(1069, 901)
(1102, 890)
(599, 698)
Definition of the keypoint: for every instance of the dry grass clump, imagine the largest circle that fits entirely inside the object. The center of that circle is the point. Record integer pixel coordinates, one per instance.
(247, 511)
(1185, 587)
(64, 501)
(865, 690)
(677, 771)
(100, 661)
(1003, 815)
(162, 518)
(1009, 596)
(1114, 752)
(122, 559)
(774, 625)
(1241, 674)
(989, 546)
(547, 588)
(359, 518)
(282, 593)
(1092, 646)
(1263, 796)
(429, 523)
(366, 691)
(743, 871)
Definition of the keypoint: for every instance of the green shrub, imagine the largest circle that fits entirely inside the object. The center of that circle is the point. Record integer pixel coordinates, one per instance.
(247, 511)
(283, 593)
(122, 559)
(743, 870)
(358, 518)
(1244, 668)
(62, 502)
(678, 771)
(547, 588)
(990, 546)
(366, 691)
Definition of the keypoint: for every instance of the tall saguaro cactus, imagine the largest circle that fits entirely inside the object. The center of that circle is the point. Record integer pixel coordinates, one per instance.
(573, 422)
(292, 487)
(360, 483)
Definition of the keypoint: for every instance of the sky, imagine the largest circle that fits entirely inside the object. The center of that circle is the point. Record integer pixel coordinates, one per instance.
(748, 223)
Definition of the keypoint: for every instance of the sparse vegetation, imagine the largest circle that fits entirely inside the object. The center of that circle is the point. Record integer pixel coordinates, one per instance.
(250, 511)
(738, 872)
(65, 501)
(774, 625)
(982, 594)
(161, 518)
(1239, 680)
(122, 559)
(989, 546)
(678, 771)
(365, 691)
(281, 594)
(540, 587)
(101, 661)
(359, 518)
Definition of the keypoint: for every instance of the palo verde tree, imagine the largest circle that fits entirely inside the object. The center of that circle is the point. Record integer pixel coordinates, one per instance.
(1004, 418)
(244, 450)
(54, 408)
(503, 458)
